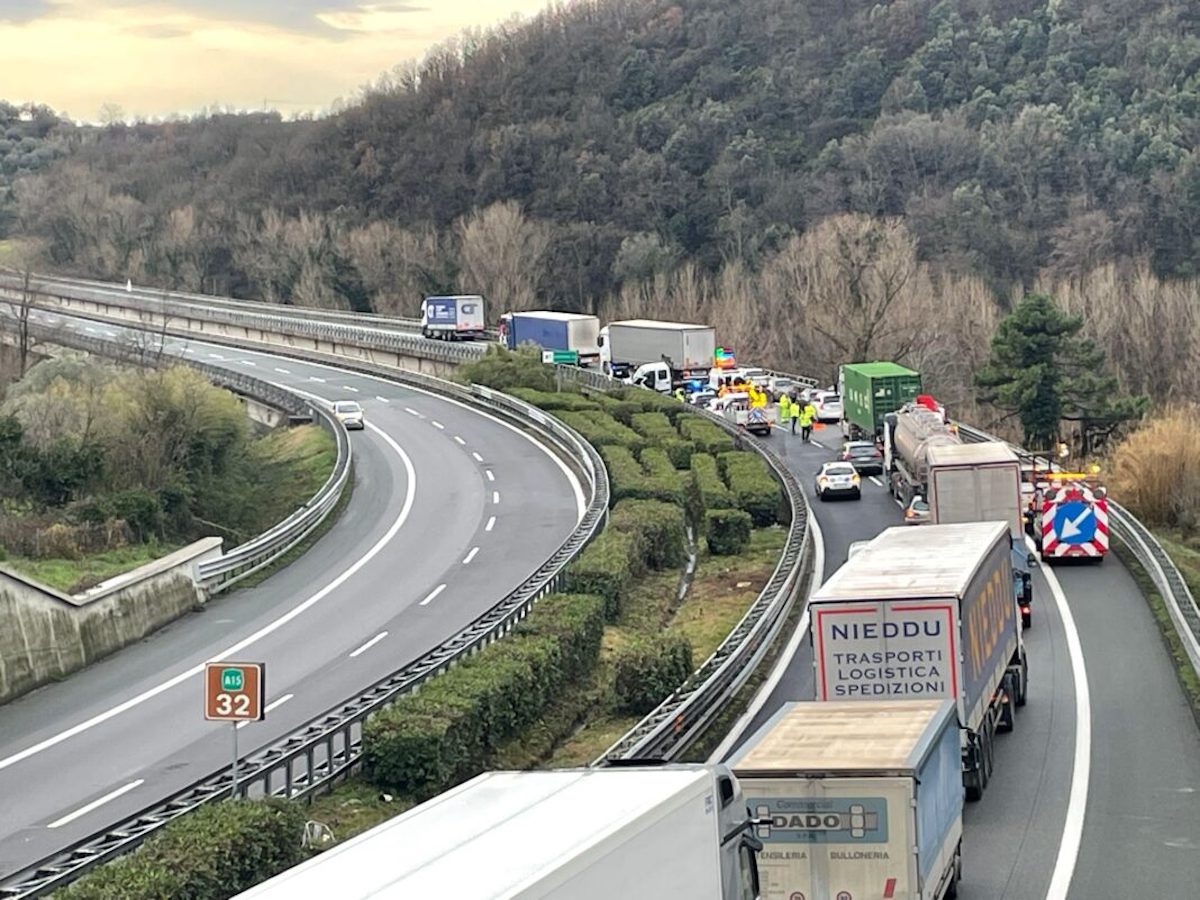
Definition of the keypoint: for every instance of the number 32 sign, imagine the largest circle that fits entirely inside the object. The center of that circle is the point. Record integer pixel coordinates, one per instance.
(234, 692)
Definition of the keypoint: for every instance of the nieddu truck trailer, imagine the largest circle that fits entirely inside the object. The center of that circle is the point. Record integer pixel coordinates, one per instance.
(924, 613)
(567, 834)
(856, 800)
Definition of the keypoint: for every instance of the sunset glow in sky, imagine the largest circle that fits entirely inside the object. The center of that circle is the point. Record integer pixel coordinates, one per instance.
(155, 57)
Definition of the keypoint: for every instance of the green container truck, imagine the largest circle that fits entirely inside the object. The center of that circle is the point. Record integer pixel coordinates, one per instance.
(869, 392)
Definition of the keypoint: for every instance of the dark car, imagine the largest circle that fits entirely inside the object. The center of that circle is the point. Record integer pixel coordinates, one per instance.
(864, 456)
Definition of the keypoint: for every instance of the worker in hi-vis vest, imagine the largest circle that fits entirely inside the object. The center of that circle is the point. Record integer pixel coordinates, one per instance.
(785, 410)
(807, 416)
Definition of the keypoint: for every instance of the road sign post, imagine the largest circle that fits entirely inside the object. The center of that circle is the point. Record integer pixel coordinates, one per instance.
(234, 692)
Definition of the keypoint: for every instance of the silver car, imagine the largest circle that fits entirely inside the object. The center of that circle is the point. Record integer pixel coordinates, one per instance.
(350, 414)
(828, 405)
(838, 479)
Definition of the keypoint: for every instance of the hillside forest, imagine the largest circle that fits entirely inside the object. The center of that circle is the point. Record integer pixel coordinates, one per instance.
(821, 180)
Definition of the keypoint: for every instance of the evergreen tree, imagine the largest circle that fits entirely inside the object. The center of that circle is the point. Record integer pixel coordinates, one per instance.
(1044, 372)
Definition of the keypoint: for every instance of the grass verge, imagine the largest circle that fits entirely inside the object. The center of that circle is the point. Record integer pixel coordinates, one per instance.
(1186, 675)
(74, 575)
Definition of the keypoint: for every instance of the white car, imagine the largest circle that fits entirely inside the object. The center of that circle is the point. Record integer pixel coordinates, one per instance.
(350, 414)
(777, 386)
(838, 479)
(828, 405)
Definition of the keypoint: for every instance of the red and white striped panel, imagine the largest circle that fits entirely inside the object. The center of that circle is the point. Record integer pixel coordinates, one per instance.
(1097, 546)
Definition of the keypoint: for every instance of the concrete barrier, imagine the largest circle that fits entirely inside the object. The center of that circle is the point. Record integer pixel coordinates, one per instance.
(48, 634)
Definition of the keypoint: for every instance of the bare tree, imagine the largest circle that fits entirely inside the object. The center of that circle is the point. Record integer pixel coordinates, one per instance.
(22, 309)
(500, 253)
(398, 267)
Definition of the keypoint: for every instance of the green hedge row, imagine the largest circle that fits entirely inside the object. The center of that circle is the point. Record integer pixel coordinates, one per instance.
(754, 488)
(707, 436)
(647, 671)
(659, 528)
(654, 426)
(728, 531)
(602, 430)
(220, 850)
(626, 403)
(631, 481)
(442, 735)
(566, 400)
(707, 489)
(607, 568)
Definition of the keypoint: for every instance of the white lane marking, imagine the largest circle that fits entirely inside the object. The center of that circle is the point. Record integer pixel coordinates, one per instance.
(1068, 849)
(495, 496)
(215, 356)
(185, 349)
(478, 458)
(352, 390)
(459, 440)
(785, 658)
(875, 480)
(247, 362)
(438, 425)
(470, 556)
(283, 371)
(491, 524)
(369, 644)
(411, 411)
(382, 399)
(491, 476)
(110, 333)
(433, 595)
(270, 627)
(96, 804)
(89, 329)
(316, 379)
(274, 704)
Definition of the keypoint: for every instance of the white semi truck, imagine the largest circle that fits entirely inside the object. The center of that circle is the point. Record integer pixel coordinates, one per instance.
(567, 834)
(929, 612)
(856, 800)
(657, 355)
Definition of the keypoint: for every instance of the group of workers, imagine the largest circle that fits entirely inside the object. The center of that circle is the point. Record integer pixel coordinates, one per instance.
(796, 411)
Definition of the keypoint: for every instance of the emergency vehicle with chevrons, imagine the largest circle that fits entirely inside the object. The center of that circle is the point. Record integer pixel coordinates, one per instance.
(1068, 516)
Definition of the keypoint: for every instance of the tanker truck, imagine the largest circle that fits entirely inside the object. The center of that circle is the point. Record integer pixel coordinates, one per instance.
(924, 457)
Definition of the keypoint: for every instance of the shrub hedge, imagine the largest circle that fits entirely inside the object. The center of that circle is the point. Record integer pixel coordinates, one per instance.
(648, 670)
(555, 402)
(707, 489)
(654, 426)
(576, 621)
(220, 850)
(606, 568)
(630, 481)
(602, 430)
(753, 486)
(707, 436)
(727, 530)
(659, 528)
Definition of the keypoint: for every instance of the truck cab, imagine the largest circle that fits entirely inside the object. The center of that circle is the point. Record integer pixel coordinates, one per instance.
(655, 376)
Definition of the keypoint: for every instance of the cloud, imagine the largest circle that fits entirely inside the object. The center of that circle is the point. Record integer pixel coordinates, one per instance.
(23, 10)
(312, 16)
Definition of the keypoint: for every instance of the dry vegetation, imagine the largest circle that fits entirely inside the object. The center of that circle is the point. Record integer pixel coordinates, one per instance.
(1155, 471)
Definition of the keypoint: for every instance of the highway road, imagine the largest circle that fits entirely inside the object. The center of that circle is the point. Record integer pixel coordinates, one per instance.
(1137, 786)
(451, 510)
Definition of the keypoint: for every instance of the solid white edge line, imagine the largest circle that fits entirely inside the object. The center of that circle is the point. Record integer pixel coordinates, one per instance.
(759, 700)
(470, 556)
(97, 803)
(1068, 849)
(368, 645)
(375, 550)
(491, 476)
(433, 595)
(491, 523)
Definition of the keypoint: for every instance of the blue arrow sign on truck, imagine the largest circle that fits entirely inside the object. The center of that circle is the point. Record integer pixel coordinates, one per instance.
(1074, 522)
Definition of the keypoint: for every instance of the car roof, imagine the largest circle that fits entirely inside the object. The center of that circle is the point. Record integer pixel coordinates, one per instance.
(837, 464)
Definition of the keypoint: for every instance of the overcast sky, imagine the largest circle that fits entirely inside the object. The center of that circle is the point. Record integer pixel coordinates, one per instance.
(155, 57)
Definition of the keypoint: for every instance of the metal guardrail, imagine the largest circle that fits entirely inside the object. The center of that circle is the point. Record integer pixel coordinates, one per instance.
(329, 745)
(1163, 573)
(232, 566)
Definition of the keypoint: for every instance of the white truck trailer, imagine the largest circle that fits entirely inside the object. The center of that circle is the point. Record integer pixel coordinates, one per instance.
(657, 355)
(863, 800)
(923, 613)
(568, 834)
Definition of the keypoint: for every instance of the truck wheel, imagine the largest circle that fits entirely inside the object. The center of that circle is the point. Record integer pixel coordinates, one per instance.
(989, 752)
(956, 877)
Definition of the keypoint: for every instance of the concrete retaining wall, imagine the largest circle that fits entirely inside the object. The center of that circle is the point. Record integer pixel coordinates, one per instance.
(47, 634)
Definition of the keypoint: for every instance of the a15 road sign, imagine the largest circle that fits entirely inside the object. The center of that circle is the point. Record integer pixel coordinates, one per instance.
(234, 691)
